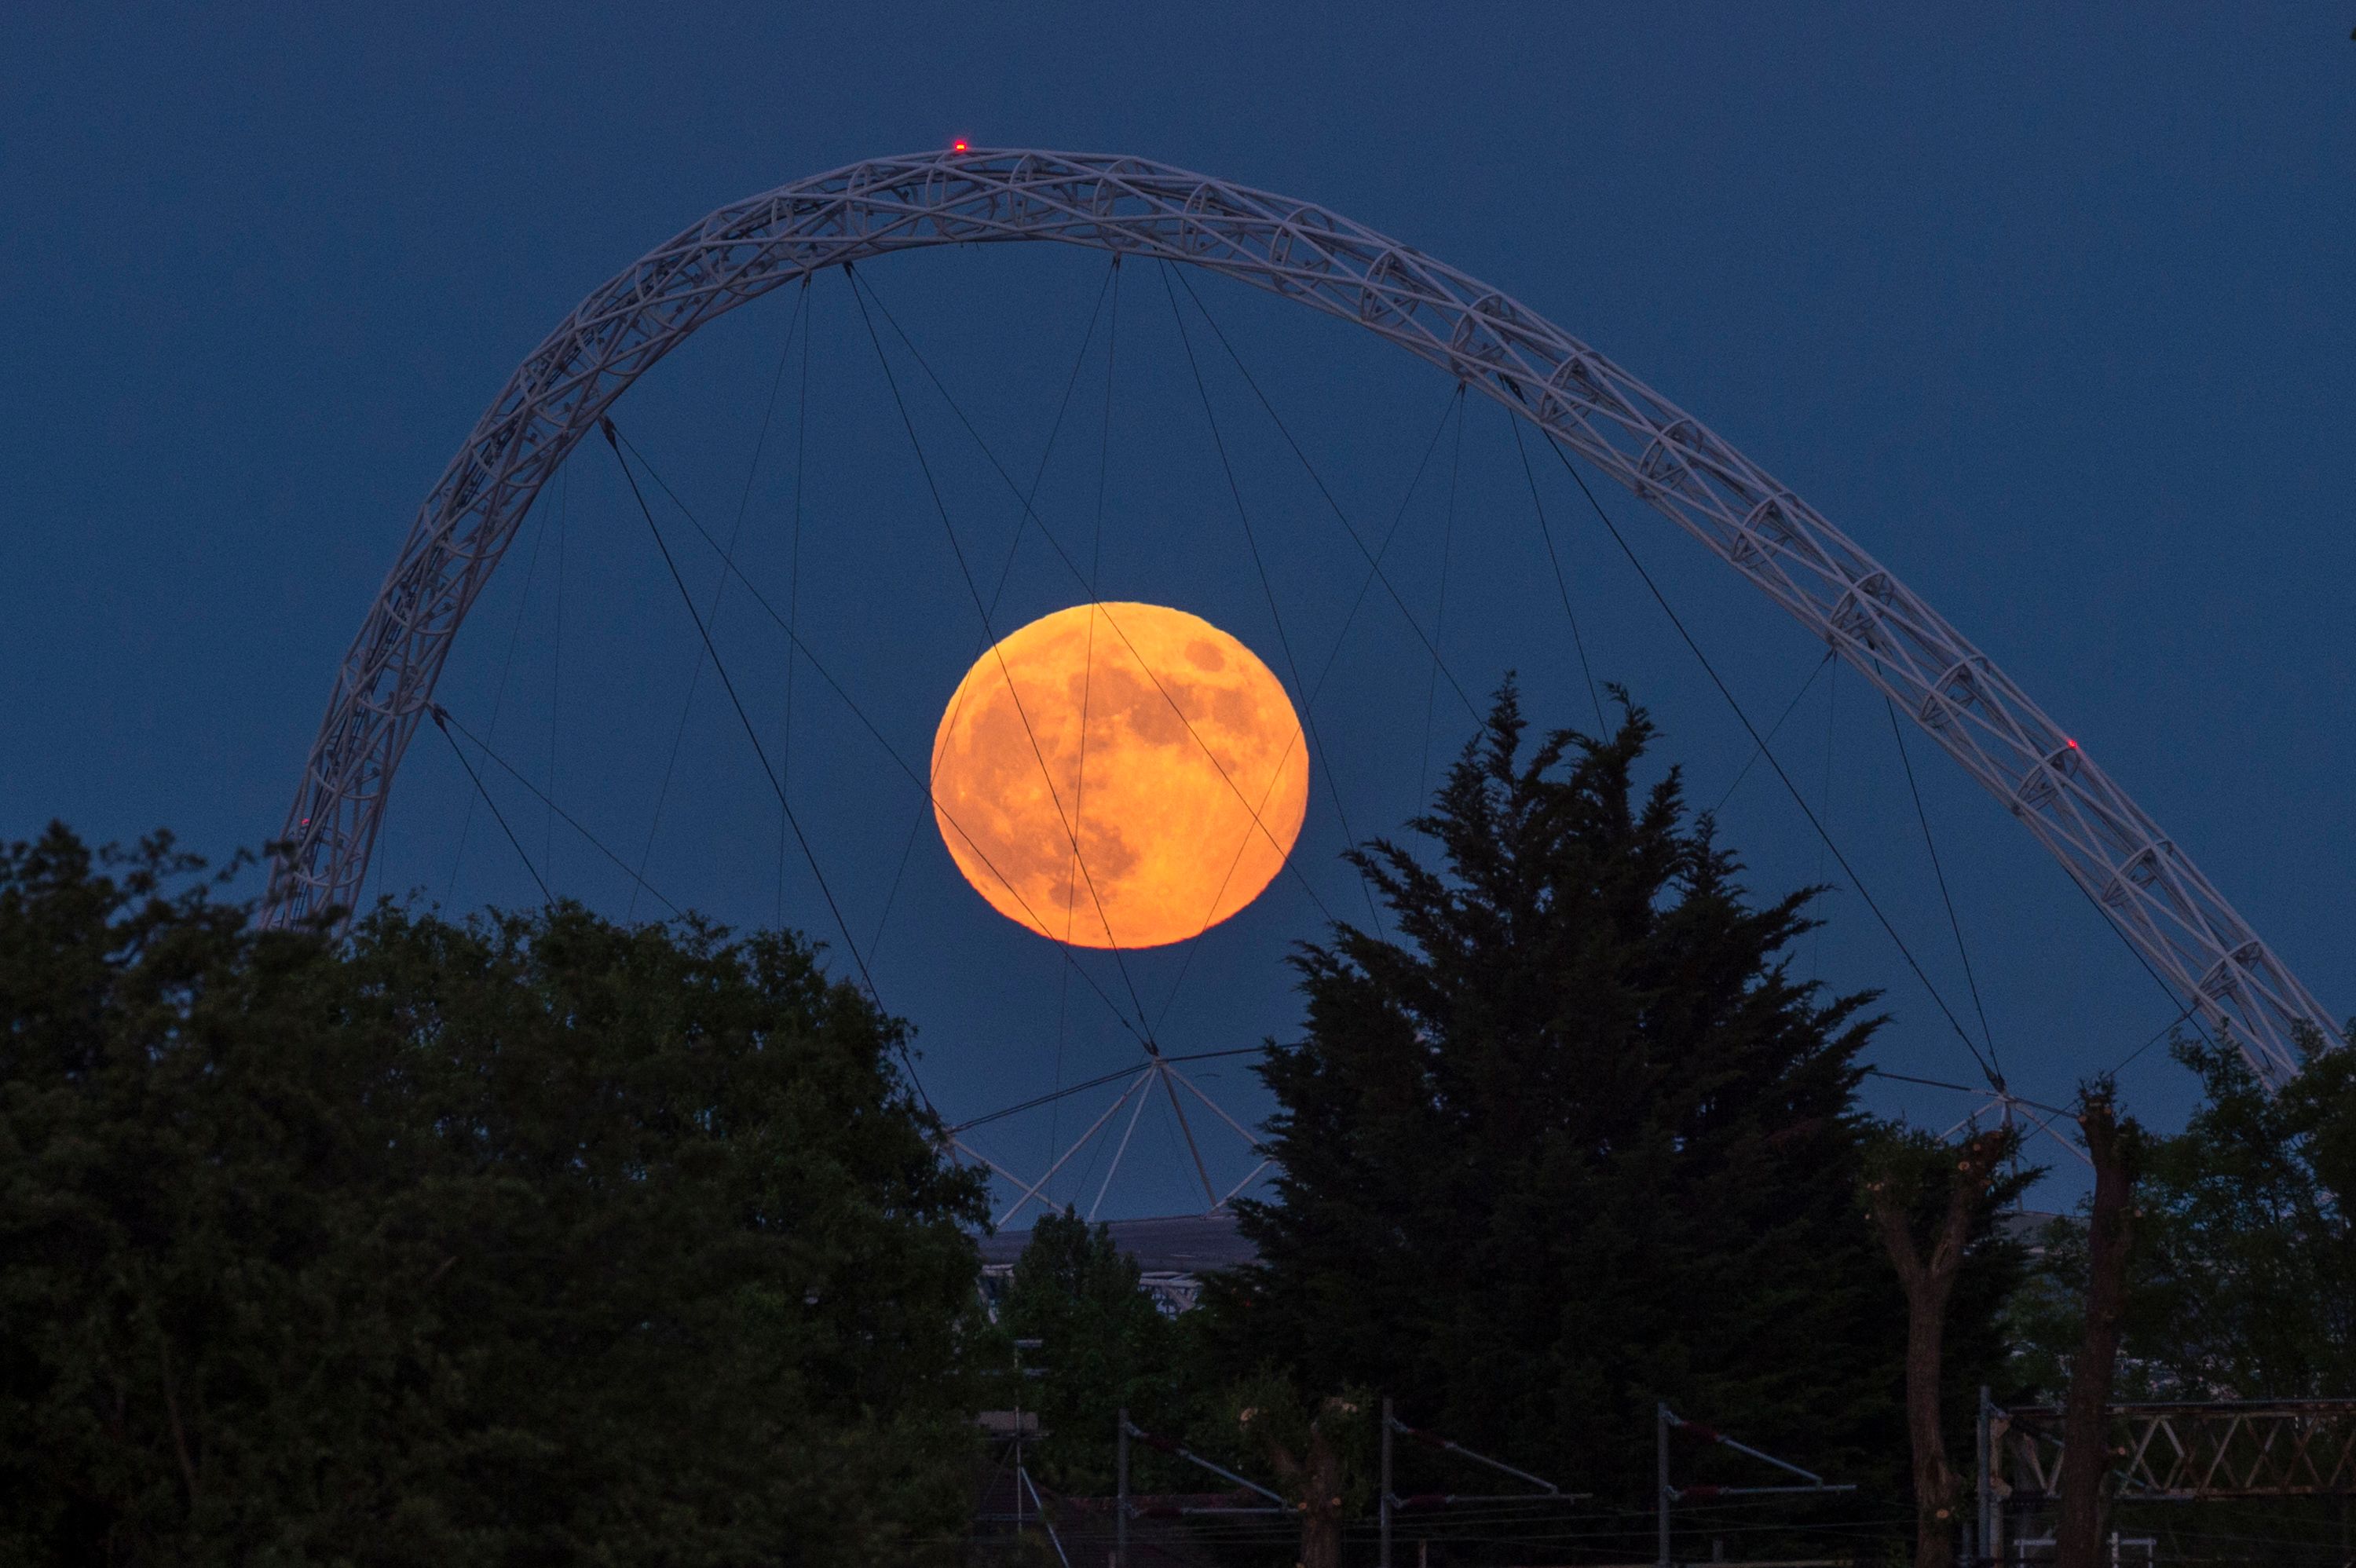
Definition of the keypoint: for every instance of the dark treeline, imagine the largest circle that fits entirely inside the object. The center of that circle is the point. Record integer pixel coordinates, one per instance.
(1571, 1140)
(512, 1242)
(534, 1239)
(1565, 1139)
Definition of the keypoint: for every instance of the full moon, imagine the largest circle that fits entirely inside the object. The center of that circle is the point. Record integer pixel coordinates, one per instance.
(1119, 774)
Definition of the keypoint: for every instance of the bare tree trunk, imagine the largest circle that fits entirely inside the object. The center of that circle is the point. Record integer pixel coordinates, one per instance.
(2085, 1447)
(1319, 1477)
(1321, 1502)
(1928, 1282)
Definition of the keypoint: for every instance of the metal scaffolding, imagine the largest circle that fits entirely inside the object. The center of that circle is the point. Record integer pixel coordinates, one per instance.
(2172, 1452)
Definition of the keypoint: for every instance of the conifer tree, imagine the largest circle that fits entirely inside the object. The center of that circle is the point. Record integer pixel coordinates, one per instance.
(1571, 1137)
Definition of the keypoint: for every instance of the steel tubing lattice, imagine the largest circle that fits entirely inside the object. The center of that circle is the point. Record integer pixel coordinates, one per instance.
(2194, 1451)
(2169, 910)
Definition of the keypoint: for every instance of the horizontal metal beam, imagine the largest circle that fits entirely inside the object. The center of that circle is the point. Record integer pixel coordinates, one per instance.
(2194, 1451)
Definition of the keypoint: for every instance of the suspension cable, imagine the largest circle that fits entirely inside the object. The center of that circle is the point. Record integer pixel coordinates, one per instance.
(2168, 1027)
(794, 592)
(1964, 1088)
(556, 662)
(547, 899)
(1832, 716)
(1068, 1091)
(862, 284)
(1186, 962)
(2190, 1012)
(1332, 657)
(1005, 568)
(1104, 437)
(695, 676)
(1110, 619)
(1439, 612)
(1744, 772)
(1529, 476)
(1955, 922)
(442, 716)
(751, 734)
(1046, 774)
(1258, 566)
(1088, 669)
(1267, 589)
(1366, 583)
(1323, 489)
(500, 695)
(1986, 1068)
(861, 714)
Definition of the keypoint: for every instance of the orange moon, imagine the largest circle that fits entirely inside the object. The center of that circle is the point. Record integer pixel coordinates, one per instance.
(1159, 746)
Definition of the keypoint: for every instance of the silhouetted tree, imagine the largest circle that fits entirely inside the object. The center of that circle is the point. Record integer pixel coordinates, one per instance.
(1930, 1203)
(2241, 1279)
(2243, 1276)
(1318, 1451)
(1571, 1137)
(2114, 1147)
(1104, 1346)
(524, 1240)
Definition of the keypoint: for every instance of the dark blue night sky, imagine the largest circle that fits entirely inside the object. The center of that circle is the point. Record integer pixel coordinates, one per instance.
(2052, 313)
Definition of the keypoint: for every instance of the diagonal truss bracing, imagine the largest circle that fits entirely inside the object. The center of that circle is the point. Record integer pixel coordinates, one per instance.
(2167, 909)
(2195, 1451)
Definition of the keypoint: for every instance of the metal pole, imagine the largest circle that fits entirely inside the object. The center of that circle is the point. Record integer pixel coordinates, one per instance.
(1987, 1551)
(1126, 1133)
(1018, 1438)
(1120, 1513)
(1020, 1473)
(1045, 1523)
(1661, 1455)
(1384, 1557)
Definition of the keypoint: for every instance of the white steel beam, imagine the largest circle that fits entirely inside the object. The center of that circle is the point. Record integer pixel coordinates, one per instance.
(2167, 909)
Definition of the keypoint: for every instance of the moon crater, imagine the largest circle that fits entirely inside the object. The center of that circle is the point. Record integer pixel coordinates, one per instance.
(1119, 774)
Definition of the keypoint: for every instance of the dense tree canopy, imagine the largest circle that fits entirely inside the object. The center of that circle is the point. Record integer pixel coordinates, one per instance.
(2242, 1282)
(522, 1240)
(1570, 1137)
(1102, 1347)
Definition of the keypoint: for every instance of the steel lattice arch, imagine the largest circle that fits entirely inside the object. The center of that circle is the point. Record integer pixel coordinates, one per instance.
(2169, 910)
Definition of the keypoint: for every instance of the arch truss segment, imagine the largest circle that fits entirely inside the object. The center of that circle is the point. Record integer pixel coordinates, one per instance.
(2167, 909)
